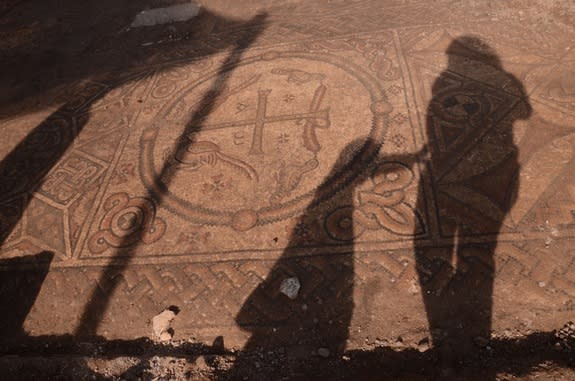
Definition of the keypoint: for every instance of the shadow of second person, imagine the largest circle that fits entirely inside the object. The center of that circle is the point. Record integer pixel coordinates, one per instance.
(303, 307)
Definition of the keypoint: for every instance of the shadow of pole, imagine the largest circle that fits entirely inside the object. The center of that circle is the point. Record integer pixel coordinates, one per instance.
(100, 298)
(110, 62)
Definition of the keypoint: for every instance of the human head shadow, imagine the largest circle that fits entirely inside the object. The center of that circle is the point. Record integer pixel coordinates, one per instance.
(471, 164)
(314, 321)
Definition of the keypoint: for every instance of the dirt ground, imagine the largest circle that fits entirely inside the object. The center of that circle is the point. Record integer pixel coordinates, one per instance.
(287, 190)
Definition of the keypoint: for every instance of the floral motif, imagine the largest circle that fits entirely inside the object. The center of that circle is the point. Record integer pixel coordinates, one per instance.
(216, 187)
(304, 230)
(123, 173)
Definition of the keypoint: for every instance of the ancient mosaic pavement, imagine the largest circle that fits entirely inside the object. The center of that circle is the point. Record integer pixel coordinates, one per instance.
(183, 182)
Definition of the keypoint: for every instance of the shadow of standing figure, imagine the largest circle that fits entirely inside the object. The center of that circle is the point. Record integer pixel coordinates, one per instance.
(472, 163)
(313, 322)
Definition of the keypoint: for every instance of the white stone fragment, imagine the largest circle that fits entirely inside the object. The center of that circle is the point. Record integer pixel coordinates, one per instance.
(166, 15)
(290, 287)
(323, 352)
(161, 325)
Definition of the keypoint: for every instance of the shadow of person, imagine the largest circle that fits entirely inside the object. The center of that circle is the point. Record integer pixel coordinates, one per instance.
(472, 165)
(303, 307)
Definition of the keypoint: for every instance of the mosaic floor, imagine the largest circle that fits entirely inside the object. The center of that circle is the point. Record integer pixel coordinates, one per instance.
(410, 166)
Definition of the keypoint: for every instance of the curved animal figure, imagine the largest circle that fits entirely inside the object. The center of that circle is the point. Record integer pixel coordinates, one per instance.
(193, 157)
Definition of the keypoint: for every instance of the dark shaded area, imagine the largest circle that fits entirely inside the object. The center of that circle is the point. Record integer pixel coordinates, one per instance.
(515, 357)
(49, 44)
(19, 288)
(62, 358)
(69, 345)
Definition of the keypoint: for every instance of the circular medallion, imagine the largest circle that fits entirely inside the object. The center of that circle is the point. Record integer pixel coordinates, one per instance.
(253, 143)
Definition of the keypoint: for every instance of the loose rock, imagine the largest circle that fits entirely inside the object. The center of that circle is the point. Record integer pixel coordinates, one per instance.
(423, 345)
(161, 324)
(323, 352)
(290, 287)
(166, 15)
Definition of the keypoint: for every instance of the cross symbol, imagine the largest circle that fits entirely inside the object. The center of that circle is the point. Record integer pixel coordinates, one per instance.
(314, 118)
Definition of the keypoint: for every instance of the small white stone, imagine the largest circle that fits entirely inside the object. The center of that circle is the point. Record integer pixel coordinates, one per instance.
(161, 324)
(323, 352)
(290, 287)
(166, 15)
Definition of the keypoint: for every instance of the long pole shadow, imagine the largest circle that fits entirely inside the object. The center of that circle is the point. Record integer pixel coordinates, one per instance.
(111, 61)
(100, 298)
